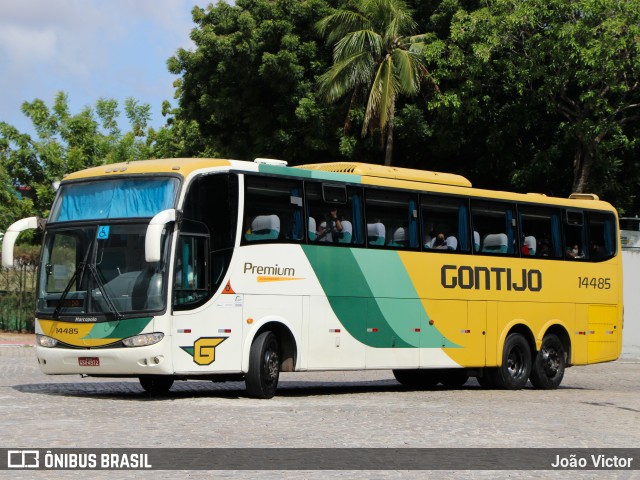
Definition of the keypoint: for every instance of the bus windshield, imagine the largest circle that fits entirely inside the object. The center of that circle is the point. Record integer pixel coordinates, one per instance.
(114, 198)
(98, 271)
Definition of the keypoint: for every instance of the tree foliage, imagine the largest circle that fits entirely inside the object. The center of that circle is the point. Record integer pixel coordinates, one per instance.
(250, 82)
(377, 54)
(536, 95)
(558, 80)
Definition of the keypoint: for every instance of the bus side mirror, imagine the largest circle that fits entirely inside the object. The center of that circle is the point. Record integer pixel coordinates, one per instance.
(11, 235)
(153, 238)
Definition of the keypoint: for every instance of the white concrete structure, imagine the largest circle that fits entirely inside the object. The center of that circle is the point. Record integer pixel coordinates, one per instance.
(631, 329)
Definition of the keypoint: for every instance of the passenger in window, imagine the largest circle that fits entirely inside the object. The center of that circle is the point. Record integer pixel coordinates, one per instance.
(428, 238)
(596, 250)
(439, 242)
(329, 230)
(574, 252)
(323, 234)
(544, 250)
(525, 248)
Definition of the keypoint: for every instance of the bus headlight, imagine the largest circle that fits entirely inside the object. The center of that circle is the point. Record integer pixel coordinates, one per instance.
(44, 341)
(143, 340)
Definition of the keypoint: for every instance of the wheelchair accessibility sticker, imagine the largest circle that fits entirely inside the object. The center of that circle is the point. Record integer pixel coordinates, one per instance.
(103, 232)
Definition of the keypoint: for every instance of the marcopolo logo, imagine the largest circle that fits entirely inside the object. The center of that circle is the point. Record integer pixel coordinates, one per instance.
(494, 278)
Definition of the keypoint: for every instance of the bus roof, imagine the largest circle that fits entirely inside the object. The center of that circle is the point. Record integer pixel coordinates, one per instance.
(182, 166)
(380, 171)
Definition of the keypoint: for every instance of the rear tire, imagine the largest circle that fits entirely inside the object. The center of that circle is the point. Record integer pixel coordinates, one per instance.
(264, 366)
(516, 364)
(156, 384)
(548, 367)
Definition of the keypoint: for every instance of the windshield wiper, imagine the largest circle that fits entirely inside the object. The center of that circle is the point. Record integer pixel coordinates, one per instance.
(103, 291)
(96, 276)
(79, 270)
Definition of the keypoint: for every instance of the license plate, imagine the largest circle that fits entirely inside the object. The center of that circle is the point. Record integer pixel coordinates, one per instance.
(89, 361)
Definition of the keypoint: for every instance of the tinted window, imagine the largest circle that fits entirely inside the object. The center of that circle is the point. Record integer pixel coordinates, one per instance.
(334, 214)
(494, 227)
(541, 230)
(445, 224)
(575, 238)
(273, 210)
(602, 236)
(392, 219)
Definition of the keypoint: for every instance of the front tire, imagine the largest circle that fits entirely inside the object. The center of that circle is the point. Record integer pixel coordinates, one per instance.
(548, 367)
(264, 366)
(156, 384)
(516, 364)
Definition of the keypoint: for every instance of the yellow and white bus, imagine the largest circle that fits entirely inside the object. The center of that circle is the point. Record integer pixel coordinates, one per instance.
(221, 269)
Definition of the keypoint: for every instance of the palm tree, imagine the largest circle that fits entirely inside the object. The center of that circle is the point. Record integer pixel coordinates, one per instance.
(375, 51)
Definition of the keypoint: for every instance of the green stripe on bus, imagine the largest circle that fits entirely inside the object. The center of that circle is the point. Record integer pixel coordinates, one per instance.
(372, 295)
(119, 328)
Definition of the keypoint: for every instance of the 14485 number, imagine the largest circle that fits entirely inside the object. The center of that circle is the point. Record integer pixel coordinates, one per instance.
(599, 283)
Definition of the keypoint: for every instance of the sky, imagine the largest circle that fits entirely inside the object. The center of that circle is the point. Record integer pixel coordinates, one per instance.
(90, 49)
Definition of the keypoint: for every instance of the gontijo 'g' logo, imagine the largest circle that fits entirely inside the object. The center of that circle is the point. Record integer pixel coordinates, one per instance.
(204, 349)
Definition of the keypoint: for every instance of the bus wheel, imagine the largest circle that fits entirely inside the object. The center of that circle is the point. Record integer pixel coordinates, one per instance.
(156, 384)
(417, 378)
(454, 377)
(516, 364)
(547, 370)
(264, 366)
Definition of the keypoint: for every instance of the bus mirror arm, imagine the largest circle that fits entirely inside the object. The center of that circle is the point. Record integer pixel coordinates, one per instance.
(153, 238)
(9, 240)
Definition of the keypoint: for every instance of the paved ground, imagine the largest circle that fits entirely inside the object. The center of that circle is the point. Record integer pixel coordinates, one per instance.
(598, 406)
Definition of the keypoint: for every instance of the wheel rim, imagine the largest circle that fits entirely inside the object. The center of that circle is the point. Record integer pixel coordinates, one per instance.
(550, 361)
(516, 362)
(271, 366)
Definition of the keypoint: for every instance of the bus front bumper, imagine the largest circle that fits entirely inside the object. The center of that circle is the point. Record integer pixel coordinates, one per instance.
(122, 361)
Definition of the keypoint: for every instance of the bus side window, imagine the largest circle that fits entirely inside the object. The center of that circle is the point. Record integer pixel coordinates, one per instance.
(496, 227)
(392, 219)
(324, 201)
(191, 282)
(540, 232)
(445, 224)
(273, 210)
(602, 236)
